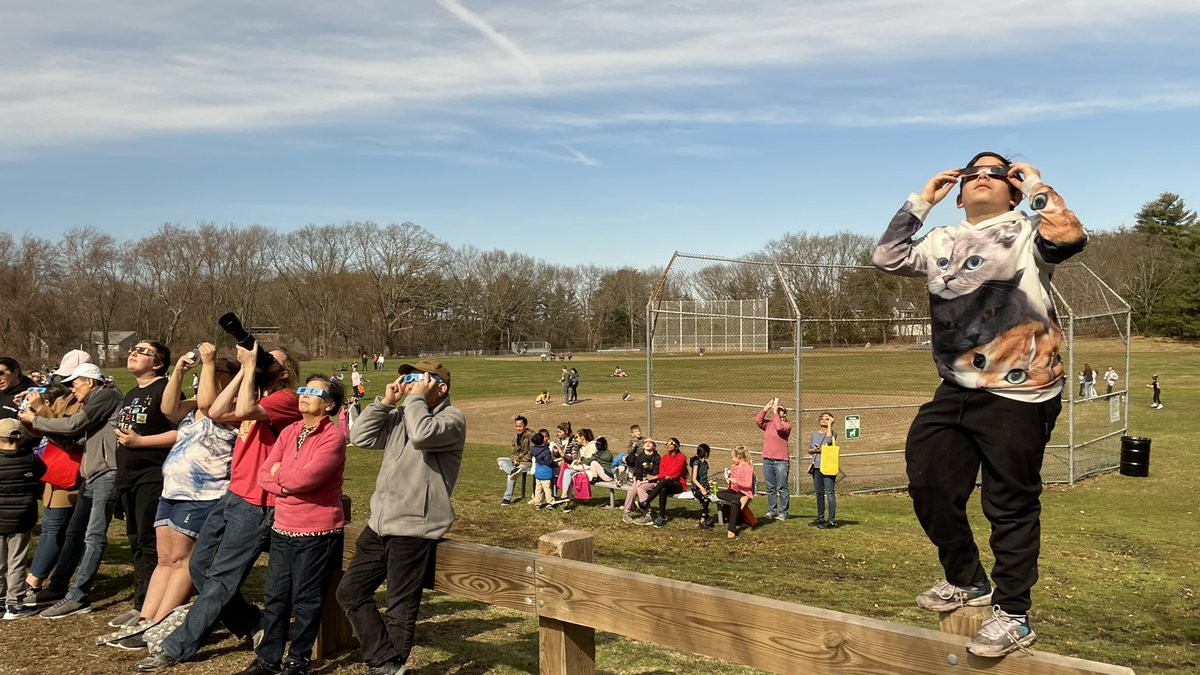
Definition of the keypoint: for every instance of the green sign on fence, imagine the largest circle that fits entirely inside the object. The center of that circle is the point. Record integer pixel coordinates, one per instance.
(852, 426)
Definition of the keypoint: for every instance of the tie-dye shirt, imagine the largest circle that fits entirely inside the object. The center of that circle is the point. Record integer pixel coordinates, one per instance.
(197, 468)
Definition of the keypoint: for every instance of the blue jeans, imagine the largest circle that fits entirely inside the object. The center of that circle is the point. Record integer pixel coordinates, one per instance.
(87, 537)
(775, 472)
(50, 541)
(297, 573)
(824, 487)
(507, 466)
(231, 540)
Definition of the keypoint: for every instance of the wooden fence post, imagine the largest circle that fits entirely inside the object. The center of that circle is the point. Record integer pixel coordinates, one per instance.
(565, 648)
(964, 620)
(335, 633)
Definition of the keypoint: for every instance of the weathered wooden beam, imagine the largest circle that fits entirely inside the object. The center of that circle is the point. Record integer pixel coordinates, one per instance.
(772, 635)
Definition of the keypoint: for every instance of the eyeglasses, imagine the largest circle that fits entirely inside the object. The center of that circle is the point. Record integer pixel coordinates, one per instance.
(313, 391)
(144, 351)
(417, 377)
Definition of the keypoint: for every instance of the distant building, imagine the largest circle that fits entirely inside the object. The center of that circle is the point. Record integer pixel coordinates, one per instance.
(908, 322)
(113, 351)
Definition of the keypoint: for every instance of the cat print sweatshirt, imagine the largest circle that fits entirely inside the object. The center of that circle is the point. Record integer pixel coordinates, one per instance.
(993, 321)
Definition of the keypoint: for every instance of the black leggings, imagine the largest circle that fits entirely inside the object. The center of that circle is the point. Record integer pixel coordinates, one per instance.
(735, 511)
(663, 489)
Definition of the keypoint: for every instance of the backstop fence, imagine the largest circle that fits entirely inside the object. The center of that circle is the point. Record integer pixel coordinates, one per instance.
(724, 336)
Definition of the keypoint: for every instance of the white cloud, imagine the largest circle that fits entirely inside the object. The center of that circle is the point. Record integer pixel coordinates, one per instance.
(76, 71)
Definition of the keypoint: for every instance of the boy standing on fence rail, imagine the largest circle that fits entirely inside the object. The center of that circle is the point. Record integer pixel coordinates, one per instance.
(422, 442)
(995, 342)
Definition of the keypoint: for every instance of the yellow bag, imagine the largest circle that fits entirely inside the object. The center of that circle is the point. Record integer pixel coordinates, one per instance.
(829, 460)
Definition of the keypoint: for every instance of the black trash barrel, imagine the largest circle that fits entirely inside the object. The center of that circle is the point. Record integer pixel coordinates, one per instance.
(1135, 456)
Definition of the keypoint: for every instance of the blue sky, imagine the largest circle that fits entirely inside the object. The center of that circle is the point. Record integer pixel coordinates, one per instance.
(583, 131)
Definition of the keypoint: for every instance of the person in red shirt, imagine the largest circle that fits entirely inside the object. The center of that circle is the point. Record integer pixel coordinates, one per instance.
(304, 472)
(671, 480)
(239, 526)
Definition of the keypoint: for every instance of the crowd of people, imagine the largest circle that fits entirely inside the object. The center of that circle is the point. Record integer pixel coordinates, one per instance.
(566, 463)
(252, 462)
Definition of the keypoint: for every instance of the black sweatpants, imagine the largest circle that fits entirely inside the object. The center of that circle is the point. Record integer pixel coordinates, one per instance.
(952, 437)
(402, 562)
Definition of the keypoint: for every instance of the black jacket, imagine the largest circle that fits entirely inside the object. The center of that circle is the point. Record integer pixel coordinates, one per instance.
(20, 489)
(7, 407)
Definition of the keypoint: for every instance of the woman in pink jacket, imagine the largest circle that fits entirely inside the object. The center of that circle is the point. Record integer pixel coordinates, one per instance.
(304, 472)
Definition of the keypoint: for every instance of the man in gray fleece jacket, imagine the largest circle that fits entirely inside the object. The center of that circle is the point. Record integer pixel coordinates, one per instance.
(87, 532)
(422, 443)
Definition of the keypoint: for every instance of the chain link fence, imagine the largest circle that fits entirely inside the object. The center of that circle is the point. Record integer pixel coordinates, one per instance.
(854, 343)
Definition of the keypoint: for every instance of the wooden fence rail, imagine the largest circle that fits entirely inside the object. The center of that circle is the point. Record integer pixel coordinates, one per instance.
(573, 598)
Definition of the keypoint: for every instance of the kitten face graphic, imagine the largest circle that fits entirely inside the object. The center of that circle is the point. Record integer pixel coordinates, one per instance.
(962, 260)
(1025, 357)
(977, 318)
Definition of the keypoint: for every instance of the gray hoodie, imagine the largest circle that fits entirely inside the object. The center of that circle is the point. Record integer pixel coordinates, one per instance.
(422, 454)
(89, 427)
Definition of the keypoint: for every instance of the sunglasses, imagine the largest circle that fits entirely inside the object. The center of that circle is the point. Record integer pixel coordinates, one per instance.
(5, 372)
(410, 378)
(313, 391)
(144, 351)
(970, 173)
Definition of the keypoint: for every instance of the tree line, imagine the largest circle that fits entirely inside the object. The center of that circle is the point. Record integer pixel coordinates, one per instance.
(342, 290)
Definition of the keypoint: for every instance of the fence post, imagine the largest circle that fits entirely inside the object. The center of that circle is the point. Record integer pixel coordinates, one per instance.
(964, 621)
(566, 648)
(335, 633)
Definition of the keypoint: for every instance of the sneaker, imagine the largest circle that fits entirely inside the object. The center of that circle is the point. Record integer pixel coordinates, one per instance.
(770, 516)
(125, 619)
(505, 502)
(828, 525)
(660, 523)
(66, 607)
(295, 669)
(817, 523)
(15, 612)
(707, 527)
(946, 597)
(1001, 634)
(648, 520)
(569, 507)
(782, 516)
(131, 643)
(156, 661)
(514, 472)
(44, 597)
(627, 519)
(257, 667)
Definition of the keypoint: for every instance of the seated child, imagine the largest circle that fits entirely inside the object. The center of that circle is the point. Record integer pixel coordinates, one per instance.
(701, 488)
(542, 398)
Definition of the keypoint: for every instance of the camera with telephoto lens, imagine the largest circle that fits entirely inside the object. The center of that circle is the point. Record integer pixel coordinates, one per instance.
(233, 325)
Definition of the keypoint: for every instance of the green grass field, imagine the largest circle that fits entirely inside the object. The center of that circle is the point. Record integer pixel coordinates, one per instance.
(1118, 581)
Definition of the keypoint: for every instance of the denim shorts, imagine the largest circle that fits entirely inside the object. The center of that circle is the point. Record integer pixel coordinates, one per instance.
(185, 517)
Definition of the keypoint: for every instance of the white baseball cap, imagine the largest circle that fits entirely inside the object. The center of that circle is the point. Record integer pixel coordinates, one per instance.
(88, 370)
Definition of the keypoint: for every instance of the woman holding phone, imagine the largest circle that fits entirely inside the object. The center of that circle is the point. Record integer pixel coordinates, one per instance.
(824, 486)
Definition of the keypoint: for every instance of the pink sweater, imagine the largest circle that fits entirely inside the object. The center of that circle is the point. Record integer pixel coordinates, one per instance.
(308, 484)
(775, 436)
(741, 478)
